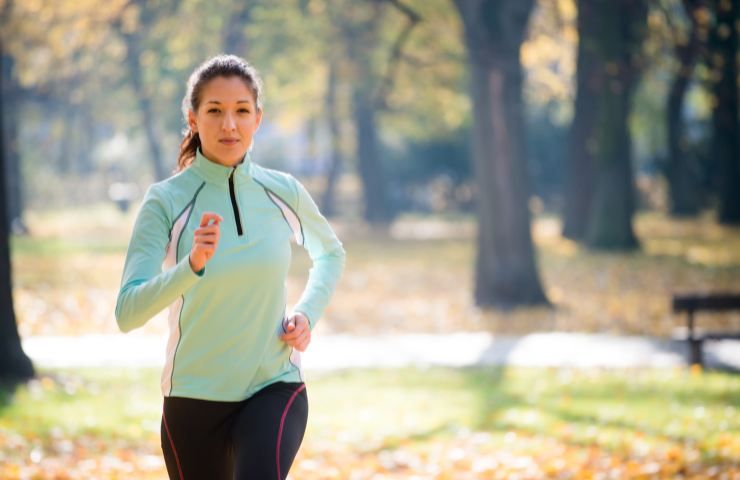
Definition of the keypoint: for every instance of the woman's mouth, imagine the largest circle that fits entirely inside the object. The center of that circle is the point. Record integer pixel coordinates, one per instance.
(229, 141)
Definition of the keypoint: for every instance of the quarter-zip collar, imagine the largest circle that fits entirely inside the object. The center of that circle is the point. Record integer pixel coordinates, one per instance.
(213, 172)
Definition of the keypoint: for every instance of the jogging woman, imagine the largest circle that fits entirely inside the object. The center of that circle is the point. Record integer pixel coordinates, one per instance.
(212, 242)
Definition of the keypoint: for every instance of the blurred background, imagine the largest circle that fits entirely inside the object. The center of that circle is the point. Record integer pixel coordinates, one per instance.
(501, 169)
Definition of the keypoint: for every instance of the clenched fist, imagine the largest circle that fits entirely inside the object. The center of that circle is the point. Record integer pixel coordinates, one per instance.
(205, 240)
(297, 332)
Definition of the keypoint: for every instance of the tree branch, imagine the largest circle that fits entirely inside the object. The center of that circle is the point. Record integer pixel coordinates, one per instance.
(663, 9)
(410, 14)
(386, 84)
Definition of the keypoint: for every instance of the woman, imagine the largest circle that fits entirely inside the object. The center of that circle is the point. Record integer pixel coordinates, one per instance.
(235, 405)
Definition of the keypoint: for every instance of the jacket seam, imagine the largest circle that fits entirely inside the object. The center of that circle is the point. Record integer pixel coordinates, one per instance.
(190, 213)
(287, 204)
(191, 203)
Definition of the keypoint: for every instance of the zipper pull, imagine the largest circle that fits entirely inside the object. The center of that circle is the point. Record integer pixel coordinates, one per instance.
(234, 204)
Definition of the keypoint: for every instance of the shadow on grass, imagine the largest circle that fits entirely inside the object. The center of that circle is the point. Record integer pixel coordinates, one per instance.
(6, 396)
(490, 385)
(618, 423)
(500, 396)
(626, 390)
(8, 390)
(483, 380)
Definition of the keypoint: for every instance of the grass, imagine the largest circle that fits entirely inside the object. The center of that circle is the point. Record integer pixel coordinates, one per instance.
(118, 404)
(406, 421)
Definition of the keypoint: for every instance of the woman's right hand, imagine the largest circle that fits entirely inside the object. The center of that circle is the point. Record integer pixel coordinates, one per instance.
(205, 240)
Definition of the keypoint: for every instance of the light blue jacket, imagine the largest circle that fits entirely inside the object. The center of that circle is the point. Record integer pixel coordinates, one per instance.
(226, 320)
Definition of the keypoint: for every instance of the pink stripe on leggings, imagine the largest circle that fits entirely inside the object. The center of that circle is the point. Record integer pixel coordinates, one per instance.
(282, 423)
(172, 444)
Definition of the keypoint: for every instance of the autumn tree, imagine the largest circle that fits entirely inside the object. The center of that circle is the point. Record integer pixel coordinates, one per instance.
(322, 23)
(135, 24)
(623, 26)
(328, 198)
(579, 178)
(362, 35)
(723, 60)
(13, 98)
(687, 42)
(15, 366)
(393, 66)
(506, 272)
(237, 20)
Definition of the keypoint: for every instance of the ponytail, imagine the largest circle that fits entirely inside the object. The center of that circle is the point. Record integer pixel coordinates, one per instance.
(188, 148)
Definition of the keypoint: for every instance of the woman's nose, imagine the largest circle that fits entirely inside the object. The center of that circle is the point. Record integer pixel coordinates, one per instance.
(229, 123)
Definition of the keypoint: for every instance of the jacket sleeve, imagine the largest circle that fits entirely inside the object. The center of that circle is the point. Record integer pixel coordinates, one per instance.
(145, 288)
(327, 256)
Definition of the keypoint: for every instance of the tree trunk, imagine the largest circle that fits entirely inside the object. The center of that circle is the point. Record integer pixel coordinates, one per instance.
(133, 41)
(328, 199)
(372, 175)
(15, 366)
(64, 163)
(726, 141)
(579, 178)
(69, 148)
(623, 27)
(683, 185)
(84, 161)
(506, 272)
(133, 54)
(235, 39)
(14, 194)
(361, 39)
(610, 220)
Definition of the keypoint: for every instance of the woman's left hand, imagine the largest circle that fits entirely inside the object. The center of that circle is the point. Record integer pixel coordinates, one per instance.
(298, 332)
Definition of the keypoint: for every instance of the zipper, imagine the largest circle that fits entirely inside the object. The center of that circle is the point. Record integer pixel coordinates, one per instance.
(234, 204)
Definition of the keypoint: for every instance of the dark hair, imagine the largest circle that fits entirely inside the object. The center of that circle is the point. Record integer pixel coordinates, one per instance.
(218, 66)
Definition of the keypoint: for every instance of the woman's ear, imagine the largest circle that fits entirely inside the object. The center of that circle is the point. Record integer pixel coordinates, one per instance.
(259, 119)
(191, 122)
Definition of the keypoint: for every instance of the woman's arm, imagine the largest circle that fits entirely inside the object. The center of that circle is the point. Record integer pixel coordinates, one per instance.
(327, 255)
(145, 288)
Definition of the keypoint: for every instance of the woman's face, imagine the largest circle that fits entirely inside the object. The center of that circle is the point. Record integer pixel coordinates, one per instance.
(226, 120)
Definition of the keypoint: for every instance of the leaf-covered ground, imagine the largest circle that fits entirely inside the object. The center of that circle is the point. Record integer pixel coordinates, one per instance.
(407, 424)
(431, 424)
(416, 278)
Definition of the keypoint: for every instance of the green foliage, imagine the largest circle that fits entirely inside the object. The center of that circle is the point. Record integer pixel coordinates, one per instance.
(79, 116)
(71, 63)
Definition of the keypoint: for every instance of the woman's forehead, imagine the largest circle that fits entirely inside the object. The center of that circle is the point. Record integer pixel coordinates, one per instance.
(227, 90)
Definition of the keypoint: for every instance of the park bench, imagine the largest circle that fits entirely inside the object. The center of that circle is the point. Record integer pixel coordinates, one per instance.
(691, 303)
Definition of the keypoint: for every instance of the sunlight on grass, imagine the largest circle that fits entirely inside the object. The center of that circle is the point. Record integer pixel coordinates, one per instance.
(99, 402)
(408, 421)
(700, 242)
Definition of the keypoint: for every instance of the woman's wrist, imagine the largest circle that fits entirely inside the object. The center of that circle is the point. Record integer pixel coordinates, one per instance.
(302, 314)
(193, 265)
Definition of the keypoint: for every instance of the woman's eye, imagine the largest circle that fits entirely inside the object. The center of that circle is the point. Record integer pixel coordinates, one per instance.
(243, 110)
(213, 110)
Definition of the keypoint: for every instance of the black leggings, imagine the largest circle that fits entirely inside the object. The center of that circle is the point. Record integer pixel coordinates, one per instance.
(255, 439)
